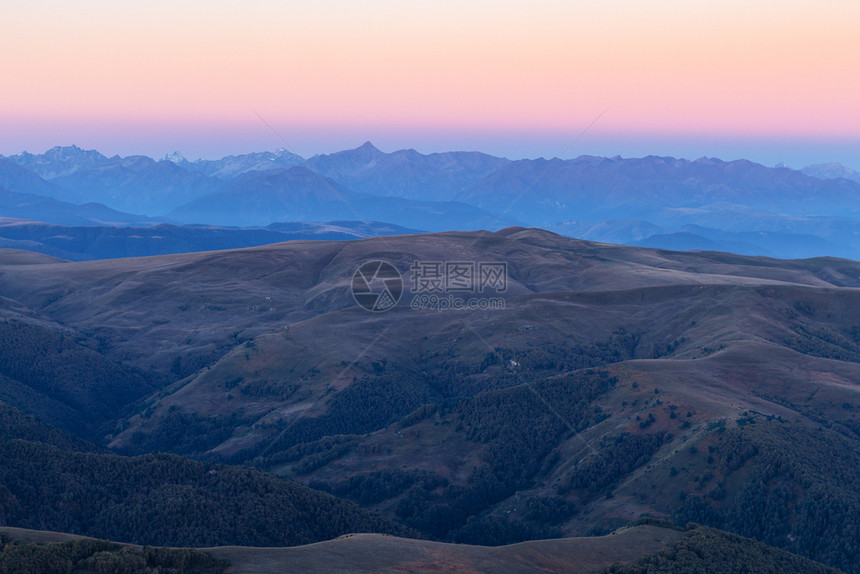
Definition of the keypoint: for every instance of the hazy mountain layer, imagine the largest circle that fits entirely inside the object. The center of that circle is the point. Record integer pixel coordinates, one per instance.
(109, 242)
(406, 173)
(743, 206)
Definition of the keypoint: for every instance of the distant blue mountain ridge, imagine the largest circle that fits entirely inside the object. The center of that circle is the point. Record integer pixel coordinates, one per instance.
(663, 202)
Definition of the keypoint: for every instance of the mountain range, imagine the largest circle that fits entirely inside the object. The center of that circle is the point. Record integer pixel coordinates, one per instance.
(707, 203)
(831, 171)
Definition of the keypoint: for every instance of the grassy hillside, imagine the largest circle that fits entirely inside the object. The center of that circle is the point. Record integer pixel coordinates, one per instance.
(785, 484)
(615, 383)
(640, 549)
(375, 553)
(82, 556)
(48, 371)
(159, 499)
(708, 551)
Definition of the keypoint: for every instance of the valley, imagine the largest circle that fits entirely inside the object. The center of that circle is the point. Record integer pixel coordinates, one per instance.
(616, 383)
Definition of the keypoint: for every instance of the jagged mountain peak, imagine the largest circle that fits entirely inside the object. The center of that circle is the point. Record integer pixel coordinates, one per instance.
(71, 152)
(831, 170)
(367, 146)
(176, 158)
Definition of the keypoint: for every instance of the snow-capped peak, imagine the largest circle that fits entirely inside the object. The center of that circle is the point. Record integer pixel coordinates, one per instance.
(176, 158)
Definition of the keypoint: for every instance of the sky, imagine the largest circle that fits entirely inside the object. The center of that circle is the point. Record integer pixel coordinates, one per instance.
(771, 81)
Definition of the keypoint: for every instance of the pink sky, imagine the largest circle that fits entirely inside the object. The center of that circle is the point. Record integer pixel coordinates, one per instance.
(779, 79)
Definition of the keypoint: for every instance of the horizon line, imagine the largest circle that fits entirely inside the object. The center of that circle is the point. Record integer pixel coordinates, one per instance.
(281, 149)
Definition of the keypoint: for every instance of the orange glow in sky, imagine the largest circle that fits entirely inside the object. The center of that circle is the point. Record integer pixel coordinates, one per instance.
(328, 71)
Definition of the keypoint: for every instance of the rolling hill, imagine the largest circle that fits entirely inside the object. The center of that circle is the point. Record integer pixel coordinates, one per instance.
(636, 549)
(639, 548)
(642, 548)
(605, 383)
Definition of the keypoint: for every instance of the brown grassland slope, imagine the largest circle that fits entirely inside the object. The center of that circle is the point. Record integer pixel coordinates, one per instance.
(616, 382)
